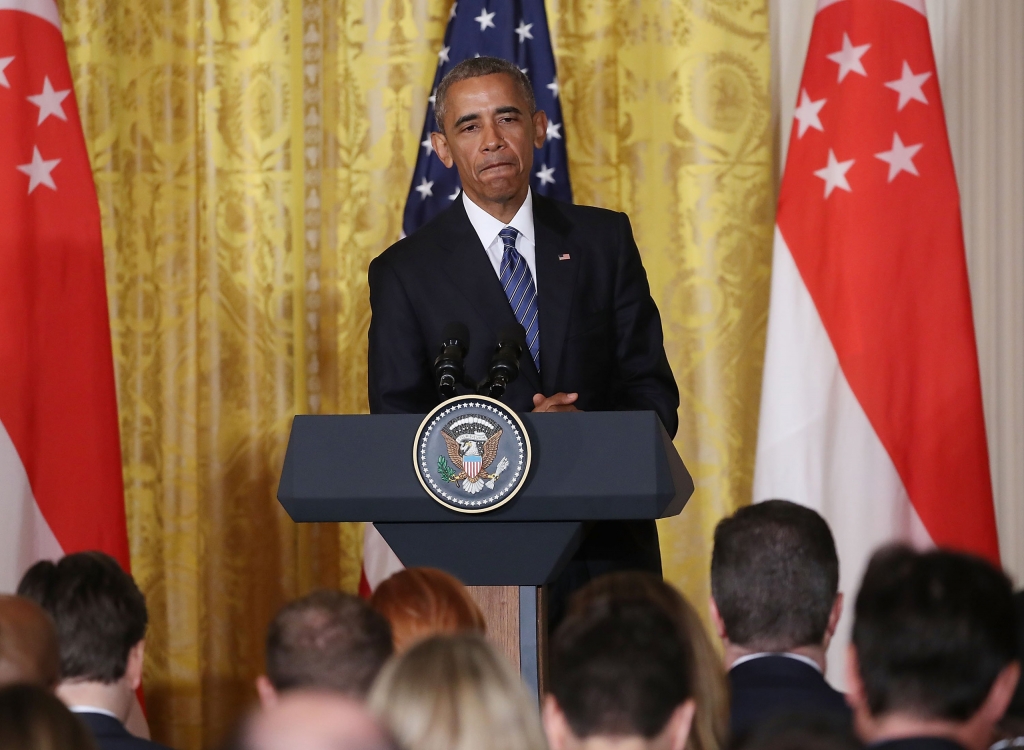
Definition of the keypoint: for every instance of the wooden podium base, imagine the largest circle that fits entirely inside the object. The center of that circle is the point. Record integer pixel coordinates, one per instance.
(517, 625)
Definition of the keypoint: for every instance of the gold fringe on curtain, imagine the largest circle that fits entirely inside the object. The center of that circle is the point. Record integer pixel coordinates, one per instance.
(252, 157)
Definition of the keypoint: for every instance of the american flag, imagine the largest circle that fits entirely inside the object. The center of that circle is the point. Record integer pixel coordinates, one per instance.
(516, 30)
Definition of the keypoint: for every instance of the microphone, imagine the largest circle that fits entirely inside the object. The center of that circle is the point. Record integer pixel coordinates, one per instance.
(505, 362)
(448, 367)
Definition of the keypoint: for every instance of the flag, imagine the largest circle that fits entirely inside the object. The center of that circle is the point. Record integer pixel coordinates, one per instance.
(61, 488)
(517, 31)
(871, 404)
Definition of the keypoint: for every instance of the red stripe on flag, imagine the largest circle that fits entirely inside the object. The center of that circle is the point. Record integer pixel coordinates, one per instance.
(870, 210)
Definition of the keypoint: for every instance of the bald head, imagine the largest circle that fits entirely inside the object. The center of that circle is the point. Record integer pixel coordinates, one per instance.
(307, 720)
(28, 644)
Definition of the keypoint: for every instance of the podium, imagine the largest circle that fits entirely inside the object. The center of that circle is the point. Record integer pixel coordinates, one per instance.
(587, 466)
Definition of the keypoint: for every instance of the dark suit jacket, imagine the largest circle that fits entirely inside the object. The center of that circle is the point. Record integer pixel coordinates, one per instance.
(110, 734)
(917, 743)
(600, 332)
(775, 685)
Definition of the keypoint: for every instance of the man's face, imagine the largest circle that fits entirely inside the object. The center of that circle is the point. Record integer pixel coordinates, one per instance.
(489, 135)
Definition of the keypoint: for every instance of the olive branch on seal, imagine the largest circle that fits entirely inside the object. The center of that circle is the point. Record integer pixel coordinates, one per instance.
(445, 470)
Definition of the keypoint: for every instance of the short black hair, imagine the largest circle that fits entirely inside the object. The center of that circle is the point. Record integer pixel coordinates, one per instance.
(774, 576)
(475, 67)
(99, 612)
(932, 631)
(327, 639)
(799, 731)
(619, 668)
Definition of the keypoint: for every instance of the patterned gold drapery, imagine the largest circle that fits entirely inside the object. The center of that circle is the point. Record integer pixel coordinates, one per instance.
(251, 157)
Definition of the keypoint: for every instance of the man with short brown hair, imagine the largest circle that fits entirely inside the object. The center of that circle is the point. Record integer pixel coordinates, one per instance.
(28, 644)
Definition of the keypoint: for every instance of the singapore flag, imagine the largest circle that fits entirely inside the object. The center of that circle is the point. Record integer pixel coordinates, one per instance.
(61, 488)
(871, 405)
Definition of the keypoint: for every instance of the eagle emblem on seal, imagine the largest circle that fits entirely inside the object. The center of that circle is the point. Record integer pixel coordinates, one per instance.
(472, 443)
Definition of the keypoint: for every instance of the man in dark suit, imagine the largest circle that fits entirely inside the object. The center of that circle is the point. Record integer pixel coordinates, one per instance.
(933, 662)
(101, 620)
(775, 605)
(571, 275)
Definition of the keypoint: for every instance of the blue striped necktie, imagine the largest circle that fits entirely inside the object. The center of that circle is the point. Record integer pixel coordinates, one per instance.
(520, 290)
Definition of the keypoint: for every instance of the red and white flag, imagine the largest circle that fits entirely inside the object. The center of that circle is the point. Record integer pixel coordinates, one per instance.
(61, 488)
(871, 405)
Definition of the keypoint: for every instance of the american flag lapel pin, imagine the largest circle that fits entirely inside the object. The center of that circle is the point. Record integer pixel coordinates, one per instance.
(564, 256)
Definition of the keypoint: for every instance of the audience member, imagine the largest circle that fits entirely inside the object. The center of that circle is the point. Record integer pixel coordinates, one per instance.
(932, 665)
(326, 640)
(33, 718)
(710, 729)
(311, 720)
(101, 618)
(28, 644)
(802, 731)
(420, 602)
(456, 692)
(775, 604)
(620, 677)
(1011, 728)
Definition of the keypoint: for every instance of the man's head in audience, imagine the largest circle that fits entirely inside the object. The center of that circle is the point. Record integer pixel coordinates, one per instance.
(28, 644)
(327, 640)
(775, 582)
(311, 720)
(101, 620)
(934, 648)
(619, 677)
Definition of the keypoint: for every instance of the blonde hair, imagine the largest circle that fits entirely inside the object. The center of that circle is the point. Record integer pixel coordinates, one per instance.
(420, 602)
(707, 678)
(456, 693)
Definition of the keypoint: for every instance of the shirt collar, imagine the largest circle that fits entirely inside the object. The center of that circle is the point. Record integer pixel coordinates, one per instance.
(92, 710)
(799, 657)
(487, 227)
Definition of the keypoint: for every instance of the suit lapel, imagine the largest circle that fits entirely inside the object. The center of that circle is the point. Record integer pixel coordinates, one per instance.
(556, 280)
(472, 274)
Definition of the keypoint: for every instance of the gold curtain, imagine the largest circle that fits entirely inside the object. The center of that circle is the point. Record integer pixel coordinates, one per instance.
(668, 118)
(252, 157)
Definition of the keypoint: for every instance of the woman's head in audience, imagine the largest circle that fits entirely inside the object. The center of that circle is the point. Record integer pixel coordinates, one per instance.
(420, 602)
(456, 693)
(32, 718)
(707, 675)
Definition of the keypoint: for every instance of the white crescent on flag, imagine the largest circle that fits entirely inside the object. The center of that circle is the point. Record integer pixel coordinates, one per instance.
(871, 402)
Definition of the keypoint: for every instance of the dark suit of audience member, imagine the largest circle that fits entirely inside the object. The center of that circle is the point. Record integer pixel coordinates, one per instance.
(101, 620)
(776, 684)
(775, 605)
(933, 659)
(594, 329)
(110, 734)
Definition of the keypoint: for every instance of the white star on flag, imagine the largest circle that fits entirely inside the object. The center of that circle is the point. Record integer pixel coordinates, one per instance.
(909, 86)
(38, 171)
(49, 102)
(523, 30)
(834, 174)
(451, 13)
(427, 145)
(425, 189)
(900, 158)
(554, 129)
(485, 19)
(545, 175)
(443, 54)
(433, 96)
(807, 114)
(553, 86)
(4, 62)
(455, 195)
(849, 58)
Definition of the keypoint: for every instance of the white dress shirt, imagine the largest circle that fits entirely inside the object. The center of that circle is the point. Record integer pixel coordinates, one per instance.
(93, 710)
(799, 657)
(487, 229)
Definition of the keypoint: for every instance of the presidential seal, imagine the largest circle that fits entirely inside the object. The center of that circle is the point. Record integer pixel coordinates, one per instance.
(471, 454)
